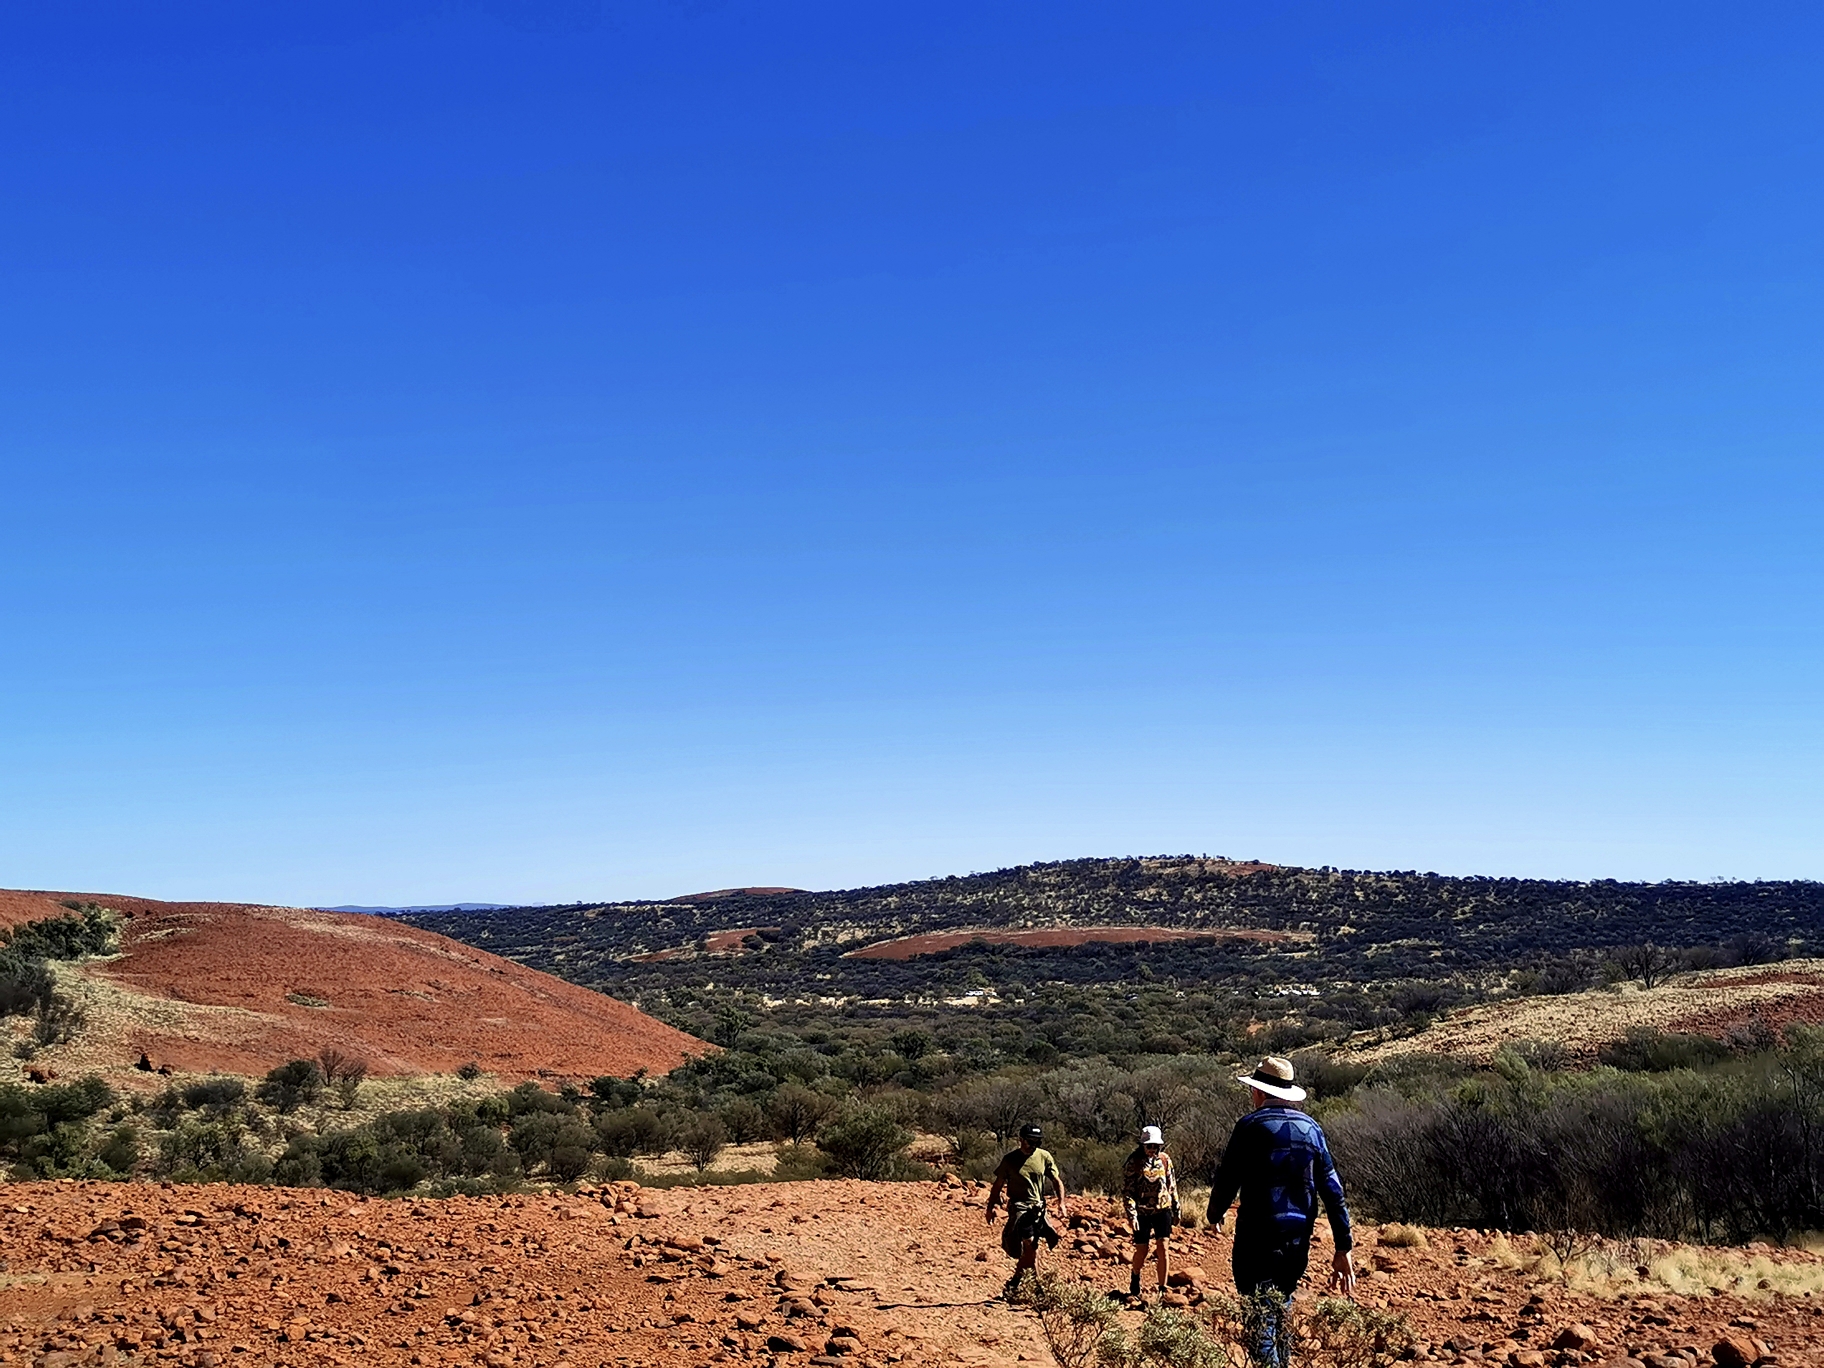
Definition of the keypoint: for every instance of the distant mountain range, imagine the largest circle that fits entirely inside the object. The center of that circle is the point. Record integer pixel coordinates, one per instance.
(418, 907)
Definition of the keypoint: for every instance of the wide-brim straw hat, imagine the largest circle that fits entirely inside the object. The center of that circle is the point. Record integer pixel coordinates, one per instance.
(1273, 1076)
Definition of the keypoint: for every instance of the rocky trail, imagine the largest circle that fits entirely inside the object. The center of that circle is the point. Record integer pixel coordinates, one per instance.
(833, 1273)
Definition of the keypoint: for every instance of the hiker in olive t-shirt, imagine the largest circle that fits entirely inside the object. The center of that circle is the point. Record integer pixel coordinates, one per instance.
(1024, 1174)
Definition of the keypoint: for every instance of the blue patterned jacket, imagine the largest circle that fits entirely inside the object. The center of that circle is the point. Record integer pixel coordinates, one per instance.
(1279, 1163)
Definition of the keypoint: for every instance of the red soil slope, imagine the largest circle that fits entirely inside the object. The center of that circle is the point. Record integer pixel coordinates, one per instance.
(240, 988)
(907, 947)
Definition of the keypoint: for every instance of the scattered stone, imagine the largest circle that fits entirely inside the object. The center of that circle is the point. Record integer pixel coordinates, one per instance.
(1578, 1336)
(785, 1344)
(1733, 1351)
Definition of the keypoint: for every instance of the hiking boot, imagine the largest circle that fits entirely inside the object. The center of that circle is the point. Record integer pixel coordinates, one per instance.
(1133, 1287)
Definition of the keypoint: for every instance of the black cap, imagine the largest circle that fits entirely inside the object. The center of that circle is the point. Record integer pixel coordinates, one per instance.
(1031, 1133)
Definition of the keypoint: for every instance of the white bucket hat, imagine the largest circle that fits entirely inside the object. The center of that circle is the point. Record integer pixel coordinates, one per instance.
(1151, 1135)
(1273, 1076)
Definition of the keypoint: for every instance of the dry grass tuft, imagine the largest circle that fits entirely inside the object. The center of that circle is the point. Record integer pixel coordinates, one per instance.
(1397, 1236)
(1193, 1206)
(1613, 1271)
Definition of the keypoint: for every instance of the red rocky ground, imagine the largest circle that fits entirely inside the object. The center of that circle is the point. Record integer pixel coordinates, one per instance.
(844, 1274)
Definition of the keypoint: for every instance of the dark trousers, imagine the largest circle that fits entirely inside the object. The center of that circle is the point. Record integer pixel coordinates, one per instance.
(1264, 1269)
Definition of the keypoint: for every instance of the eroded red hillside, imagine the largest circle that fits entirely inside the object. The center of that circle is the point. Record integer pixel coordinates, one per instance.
(238, 988)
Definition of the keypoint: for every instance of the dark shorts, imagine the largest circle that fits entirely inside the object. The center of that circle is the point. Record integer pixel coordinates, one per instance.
(1260, 1268)
(1154, 1225)
(1024, 1226)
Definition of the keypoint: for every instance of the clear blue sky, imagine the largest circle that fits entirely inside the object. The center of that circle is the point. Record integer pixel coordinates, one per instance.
(554, 450)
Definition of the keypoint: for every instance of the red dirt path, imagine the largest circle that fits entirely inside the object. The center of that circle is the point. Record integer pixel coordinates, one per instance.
(931, 942)
(233, 987)
(867, 1274)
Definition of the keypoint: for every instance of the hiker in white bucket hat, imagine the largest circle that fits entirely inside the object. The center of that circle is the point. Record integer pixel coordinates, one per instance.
(1152, 1203)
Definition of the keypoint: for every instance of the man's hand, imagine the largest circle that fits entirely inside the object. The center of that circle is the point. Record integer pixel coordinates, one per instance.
(988, 1216)
(1342, 1273)
(1216, 1226)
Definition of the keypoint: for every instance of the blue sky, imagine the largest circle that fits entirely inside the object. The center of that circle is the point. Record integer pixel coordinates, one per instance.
(534, 451)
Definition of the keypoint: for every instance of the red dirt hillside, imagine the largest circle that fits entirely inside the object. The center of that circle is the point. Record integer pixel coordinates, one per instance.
(237, 988)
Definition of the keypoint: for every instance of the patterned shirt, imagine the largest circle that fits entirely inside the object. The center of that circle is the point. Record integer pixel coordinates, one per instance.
(1151, 1182)
(1279, 1163)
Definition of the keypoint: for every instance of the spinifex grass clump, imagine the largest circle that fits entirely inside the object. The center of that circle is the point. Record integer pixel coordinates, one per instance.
(1338, 1333)
(1324, 1332)
(1078, 1322)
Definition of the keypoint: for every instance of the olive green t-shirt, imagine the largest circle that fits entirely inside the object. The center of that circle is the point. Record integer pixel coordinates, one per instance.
(1025, 1177)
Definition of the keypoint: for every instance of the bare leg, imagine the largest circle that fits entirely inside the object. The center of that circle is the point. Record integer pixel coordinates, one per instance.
(1165, 1265)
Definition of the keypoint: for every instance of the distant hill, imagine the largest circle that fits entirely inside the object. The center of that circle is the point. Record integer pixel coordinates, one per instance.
(1355, 927)
(427, 907)
(242, 988)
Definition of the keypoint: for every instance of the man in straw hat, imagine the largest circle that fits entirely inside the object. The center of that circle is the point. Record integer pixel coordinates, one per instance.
(1280, 1165)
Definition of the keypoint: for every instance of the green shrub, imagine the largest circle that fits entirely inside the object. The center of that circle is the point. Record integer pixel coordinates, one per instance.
(1169, 1338)
(1644, 1050)
(60, 1019)
(1078, 1321)
(62, 938)
(797, 1112)
(24, 983)
(291, 1085)
(616, 1092)
(120, 1151)
(536, 1136)
(1334, 1332)
(744, 1121)
(529, 1097)
(216, 1094)
(1090, 1166)
(864, 1142)
(800, 1163)
(702, 1137)
(215, 1151)
(636, 1130)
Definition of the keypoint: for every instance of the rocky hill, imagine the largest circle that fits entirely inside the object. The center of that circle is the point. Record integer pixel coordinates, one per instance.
(1266, 927)
(202, 987)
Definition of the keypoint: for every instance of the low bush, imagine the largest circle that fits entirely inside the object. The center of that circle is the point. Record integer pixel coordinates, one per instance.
(291, 1085)
(216, 1094)
(864, 1142)
(1732, 1152)
(1078, 1321)
(1644, 1050)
